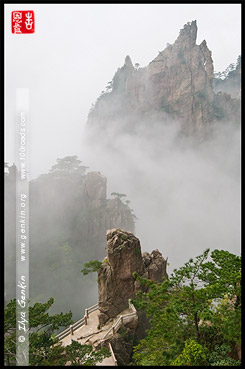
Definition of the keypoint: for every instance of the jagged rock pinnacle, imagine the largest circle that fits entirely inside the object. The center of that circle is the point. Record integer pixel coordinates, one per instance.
(177, 83)
(128, 62)
(189, 31)
(116, 282)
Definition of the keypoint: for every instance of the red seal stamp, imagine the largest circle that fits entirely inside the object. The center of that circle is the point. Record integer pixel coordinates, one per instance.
(23, 21)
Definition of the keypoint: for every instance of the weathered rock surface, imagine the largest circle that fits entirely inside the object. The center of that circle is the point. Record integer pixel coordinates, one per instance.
(116, 283)
(177, 84)
(95, 189)
(100, 213)
(122, 346)
(155, 265)
(118, 215)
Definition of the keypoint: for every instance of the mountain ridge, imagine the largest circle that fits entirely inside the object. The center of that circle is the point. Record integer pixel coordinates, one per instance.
(176, 85)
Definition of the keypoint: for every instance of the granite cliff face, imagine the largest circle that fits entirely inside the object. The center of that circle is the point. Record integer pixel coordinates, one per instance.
(101, 213)
(176, 85)
(69, 216)
(116, 283)
(81, 210)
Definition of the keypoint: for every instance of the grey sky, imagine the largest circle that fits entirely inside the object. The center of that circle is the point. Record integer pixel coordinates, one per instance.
(76, 50)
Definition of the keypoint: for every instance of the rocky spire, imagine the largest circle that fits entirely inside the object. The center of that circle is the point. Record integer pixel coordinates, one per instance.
(122, 74)
(128, 62)
(116, 283)
(177, 84)
(188, 34)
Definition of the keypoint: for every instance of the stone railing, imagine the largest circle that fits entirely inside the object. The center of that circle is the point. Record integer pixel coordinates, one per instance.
(91, 309)
(123, 319)
(78, 324)
(131, 306)
(112, 354)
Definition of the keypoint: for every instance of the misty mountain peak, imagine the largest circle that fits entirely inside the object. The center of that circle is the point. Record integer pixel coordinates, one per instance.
(177, 85)
(128, 62)
(188, 33)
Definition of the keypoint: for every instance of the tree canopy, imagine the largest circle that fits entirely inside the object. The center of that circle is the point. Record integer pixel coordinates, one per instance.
(69, 164)
(193, 313)
(44, 348)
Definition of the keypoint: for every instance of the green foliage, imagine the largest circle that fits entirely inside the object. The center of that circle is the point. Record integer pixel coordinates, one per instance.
(127, 202)
(84, 355)
(61, 239)
(224, 271)
(189, 292)
(194, 311)
(44, 348)
(219, 356)
(193, 354)
(41, 329)
(91, 266)
(69, 164)
(137, 251)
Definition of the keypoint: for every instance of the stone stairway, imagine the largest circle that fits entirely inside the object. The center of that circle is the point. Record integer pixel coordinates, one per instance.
(90, 334)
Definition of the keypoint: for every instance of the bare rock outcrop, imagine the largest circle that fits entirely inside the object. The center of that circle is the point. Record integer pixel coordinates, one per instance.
(95, 189)
(155, 265)
(122, 347)
(177, 85)
(99, 213)
(180, 81)
(116, 283)
(118, 215)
